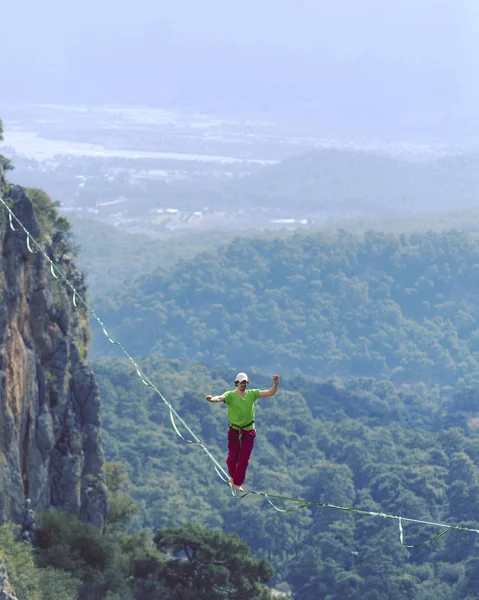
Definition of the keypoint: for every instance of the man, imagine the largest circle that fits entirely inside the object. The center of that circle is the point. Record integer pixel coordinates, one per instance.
(241, 433)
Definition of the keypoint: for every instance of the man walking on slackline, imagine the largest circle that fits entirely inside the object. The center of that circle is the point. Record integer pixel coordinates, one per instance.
(241, 434)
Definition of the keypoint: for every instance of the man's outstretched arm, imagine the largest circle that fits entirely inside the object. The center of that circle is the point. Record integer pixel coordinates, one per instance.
(214, 399)
(272, 391)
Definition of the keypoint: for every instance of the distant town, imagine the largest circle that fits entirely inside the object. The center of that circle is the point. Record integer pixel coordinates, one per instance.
(153, 171)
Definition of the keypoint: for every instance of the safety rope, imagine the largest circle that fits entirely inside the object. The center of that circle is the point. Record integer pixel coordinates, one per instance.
(78, 300)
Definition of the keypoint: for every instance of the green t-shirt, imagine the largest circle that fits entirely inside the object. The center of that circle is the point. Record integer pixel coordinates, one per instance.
(241, 410)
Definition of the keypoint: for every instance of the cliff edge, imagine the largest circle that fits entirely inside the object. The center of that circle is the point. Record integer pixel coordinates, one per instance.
(50, 444)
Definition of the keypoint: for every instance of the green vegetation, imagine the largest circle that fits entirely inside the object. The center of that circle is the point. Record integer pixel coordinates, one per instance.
(28, 581)
(111, 257)
(45, 210)
(384, 325)
(73, 561)
(122, 507)
(393, 307)
(178, 564)
(54, 228)
(212, 565)
(5, 163)
(362, 443)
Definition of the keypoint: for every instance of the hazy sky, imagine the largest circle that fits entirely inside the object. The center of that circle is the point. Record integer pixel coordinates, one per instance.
(400, 26)
(383, 56)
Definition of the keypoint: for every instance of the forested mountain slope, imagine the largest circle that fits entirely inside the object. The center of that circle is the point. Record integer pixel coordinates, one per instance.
(111, 256)
(362, 183)
(360, 443)
(395, 307)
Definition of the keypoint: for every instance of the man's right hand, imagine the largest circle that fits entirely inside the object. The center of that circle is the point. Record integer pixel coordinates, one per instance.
(208, 398)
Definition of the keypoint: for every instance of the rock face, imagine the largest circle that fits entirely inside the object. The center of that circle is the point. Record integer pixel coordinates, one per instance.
(50, 446)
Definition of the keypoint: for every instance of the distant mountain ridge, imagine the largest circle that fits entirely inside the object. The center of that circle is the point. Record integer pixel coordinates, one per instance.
(364, 183)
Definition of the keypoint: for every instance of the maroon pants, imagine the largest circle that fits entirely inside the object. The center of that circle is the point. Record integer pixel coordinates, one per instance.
(239, 451)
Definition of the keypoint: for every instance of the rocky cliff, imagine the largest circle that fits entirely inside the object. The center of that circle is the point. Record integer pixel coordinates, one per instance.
(50, 446)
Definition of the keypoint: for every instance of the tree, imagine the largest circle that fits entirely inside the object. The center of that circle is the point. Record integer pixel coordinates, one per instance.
(122, 508)
(58, 585)
(64, 542)
(54, 227)
(45, 209)
(17, 555)
(211, 565)
(63, 239)
(5, 162)
(29, 581)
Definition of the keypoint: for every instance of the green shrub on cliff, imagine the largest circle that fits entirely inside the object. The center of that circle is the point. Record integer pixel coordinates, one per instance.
(5, 162)
(23, 575)
(28, 581)
(53, 227)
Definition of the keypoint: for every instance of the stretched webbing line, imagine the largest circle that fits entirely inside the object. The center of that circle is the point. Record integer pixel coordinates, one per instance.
(77, 298)
(302, 503)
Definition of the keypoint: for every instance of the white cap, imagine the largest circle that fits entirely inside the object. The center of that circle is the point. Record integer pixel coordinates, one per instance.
(241, 377)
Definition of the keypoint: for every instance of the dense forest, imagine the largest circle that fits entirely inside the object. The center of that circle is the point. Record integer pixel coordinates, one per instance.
(375, 336)
(111, 256)
(360, 442)
(399, 307)
(71, 560)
